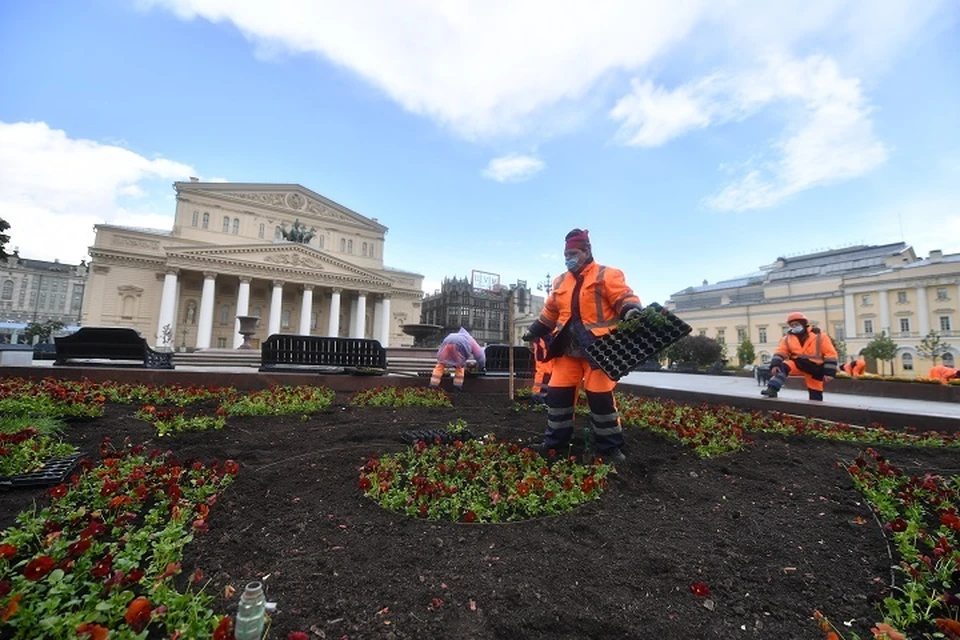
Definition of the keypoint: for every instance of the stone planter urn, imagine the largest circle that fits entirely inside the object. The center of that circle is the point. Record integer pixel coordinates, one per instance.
(248, 327)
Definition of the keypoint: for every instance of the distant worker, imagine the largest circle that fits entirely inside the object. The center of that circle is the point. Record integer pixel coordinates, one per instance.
(544, 369)
(455, 350)
(805, 351)
(586, 302)
(857, 367)
(944, 373)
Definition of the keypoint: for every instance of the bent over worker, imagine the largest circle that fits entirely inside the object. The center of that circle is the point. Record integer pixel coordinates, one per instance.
(805, 351)
(455, 350)
(944, 373)
(585, 303)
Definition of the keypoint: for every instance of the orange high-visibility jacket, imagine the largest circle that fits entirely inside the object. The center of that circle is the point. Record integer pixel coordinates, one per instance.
(602, 294)
(818, 349)
(859, 368)
(943, 373)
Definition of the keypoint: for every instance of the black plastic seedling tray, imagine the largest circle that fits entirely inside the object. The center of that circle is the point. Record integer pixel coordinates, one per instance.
(621, 351)
(430, 436)
(53, 472)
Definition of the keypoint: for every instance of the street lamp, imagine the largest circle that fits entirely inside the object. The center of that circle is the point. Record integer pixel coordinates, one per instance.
(545, 285)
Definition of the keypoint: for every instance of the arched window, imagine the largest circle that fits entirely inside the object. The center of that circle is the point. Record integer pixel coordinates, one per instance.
(277, 233)
(225, 314)
(364, 249)
(314, 317)
(258, 312)
(349, 246)
(343, 245)
(907, 360)
(129, 306)
(263, 229)
(226, 224)
(196, 218)
(765, 358)
(206, 220)
(948, 359)
(190, 315)
(320, 241)
(7, 293)
(236, 226)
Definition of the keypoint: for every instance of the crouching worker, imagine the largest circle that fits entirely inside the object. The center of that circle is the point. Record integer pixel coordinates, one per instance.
(805, 351)
(455, 350)
(944, 373)
(544, 369)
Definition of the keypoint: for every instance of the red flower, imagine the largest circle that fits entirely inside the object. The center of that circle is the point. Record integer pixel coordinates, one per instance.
(224, 630)
(297, 635)
(5, 588)
(700, 589)
(470, 516)
(197, 576)
(58, 491)
(201, 526)
(365, 483)
(588, 484)
(95, 631)
(7, 551)
(172, 569)
(79, 547)
(39, 567)
(103, 568)
(138, 613)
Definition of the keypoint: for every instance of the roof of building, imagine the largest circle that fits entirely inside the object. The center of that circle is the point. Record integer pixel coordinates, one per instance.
(45, 265)
(860, 258)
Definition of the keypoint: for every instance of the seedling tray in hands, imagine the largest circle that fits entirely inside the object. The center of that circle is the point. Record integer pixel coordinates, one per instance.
(53, 472)
(632, 343)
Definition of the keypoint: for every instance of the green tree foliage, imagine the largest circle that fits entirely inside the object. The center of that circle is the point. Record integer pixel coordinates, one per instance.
(700, 349)
(746, 354)
(883, 349)
(932, 347)
(4, 238)
(42, 330)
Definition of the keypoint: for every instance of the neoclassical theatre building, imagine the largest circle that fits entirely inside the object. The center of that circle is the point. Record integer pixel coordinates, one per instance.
(227, 256)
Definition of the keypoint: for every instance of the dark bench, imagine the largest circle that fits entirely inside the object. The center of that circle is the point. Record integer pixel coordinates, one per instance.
(289, 352)
(498, 360)
(118, 345)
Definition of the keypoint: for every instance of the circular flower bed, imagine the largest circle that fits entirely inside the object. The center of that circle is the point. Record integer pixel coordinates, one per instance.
(479, 481)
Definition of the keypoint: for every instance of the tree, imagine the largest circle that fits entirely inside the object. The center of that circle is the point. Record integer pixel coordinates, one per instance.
(883, 349)
(700, 349)
(841, 348)
(746, 353)
(4, 238)
(42, 330)
(932, 347)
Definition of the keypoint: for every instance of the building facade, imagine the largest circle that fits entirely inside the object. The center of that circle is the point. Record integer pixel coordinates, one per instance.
(227, 256)
(484, 313)
(853, 294)
(39, 291)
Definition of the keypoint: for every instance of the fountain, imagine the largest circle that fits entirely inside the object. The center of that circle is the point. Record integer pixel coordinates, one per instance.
(422, 333)
(248, 327)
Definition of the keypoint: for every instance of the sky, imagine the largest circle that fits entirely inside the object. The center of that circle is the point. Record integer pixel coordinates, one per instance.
(695, 139)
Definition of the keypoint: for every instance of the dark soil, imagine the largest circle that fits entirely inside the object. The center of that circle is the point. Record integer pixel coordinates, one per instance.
(771, 530)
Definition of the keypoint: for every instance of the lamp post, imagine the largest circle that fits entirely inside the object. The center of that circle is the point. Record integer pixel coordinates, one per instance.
(545, 285)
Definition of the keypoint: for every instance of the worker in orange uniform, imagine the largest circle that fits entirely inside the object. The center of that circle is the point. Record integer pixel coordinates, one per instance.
(455, 350)
(857, 367)
(944, 373)
(805, 351)
(544, 370)
(585, 303)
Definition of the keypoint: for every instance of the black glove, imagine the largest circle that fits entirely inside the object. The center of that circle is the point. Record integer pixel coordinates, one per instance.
(631, 313)
(527, 337)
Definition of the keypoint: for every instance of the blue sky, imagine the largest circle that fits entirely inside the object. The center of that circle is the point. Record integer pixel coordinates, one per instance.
(696, 140)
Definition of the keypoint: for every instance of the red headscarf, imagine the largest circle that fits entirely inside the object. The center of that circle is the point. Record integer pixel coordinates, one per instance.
(578, 239)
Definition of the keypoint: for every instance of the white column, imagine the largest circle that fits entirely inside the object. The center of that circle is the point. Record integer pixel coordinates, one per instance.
(168, 307)
(243, 309)
(923, 312)
(205, 322)
(849, 317)
(360, 329)
(884, 311)
(333, 327)
(306, 307)
(276, 304)
(385, 323)
(377, 319)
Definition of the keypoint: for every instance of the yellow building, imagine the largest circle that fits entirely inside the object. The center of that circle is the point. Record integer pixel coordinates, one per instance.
(853, 294)
(227, 256)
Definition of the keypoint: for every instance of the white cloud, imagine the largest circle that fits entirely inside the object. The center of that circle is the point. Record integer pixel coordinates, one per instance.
(504, 68)
(513, 168)
(829, 137)
(53, 189)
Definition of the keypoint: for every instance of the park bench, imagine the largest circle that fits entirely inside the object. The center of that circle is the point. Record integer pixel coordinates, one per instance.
(109, 346)
(289, 352)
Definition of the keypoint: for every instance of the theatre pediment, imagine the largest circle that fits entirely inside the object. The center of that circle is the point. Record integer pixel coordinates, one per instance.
(287, 256)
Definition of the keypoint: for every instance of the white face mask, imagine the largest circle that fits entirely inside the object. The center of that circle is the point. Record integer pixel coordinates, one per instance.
(797, 329)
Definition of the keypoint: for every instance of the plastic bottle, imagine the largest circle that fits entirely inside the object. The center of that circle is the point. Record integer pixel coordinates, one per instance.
(249, 622)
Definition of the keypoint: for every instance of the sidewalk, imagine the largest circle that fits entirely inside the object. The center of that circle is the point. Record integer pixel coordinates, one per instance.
(748, 388)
